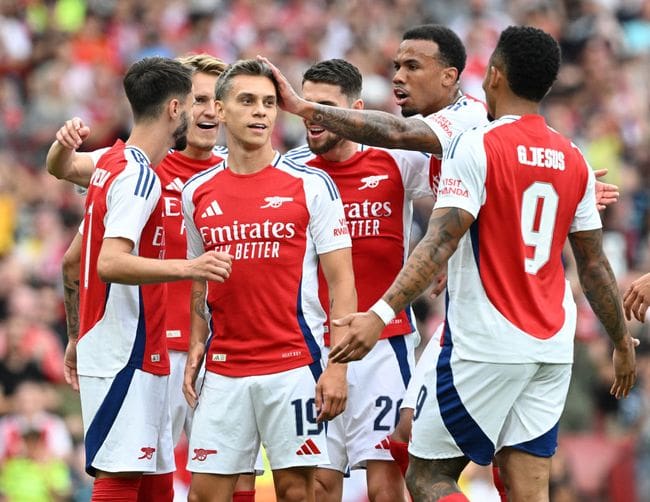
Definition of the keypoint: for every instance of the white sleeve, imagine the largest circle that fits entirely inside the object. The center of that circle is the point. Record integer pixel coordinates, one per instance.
(131, 199)
(96, 154)
(194, 241)
(587, 217)
(327, 223)
(455, 119)
(414, 168)
(464, 168)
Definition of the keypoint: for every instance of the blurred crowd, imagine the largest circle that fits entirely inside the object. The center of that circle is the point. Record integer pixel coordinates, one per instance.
(63, 58)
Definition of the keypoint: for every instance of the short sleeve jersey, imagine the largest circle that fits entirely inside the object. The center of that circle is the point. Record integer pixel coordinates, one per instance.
(266, 317)
(377, 187)
(174, 171)
(528, 187)
(121, 325)
(466, 112)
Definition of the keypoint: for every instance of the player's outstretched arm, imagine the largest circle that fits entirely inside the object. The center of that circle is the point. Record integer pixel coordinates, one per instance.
(70, 272)
(600, 288)
(606, 193)
(198, 335)
(332, 386)
(117, 264)
(62, 159)
(370, 127)
(446, 227)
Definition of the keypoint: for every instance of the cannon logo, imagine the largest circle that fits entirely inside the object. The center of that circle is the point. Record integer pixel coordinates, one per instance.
(275, 201)
(372, 181)
(201, 454)
(147, 453)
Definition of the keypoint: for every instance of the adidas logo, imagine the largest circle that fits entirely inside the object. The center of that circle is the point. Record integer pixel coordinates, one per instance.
(383, 445)
(308, 448)
(212, 210)
(176, 185)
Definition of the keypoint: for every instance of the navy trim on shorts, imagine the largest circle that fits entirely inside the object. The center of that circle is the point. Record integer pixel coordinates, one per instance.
(467, 434)
(398, 343)
(542, 446)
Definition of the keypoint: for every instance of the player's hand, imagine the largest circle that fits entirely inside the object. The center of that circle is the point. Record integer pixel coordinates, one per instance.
(364, 329)
(70, 365)
(606, 193)
(624, 367)
(331, 392)
(288, 98)
(211, 266)
(439, 284)
(637, 299)
(192, 366)
(73, 133)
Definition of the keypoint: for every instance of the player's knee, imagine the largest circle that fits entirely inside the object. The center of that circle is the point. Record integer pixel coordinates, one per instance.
(294, 492)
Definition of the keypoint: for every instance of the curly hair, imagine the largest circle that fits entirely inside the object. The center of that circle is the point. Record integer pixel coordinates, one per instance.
(336, 72)
(451, 50)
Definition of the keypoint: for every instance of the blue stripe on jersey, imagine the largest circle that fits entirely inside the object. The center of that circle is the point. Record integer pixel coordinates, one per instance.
(542, 446)
(220, 166)
(106, 414)
(331, 187)
(463, 428)
(151, 185)
(449, 154)
(316, 369)
(137, 352)
(398, 343)
(300, 152)
(140, 176)
(310, 340)
(474, 236)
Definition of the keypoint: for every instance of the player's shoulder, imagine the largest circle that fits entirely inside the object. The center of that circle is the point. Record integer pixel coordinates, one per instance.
(312, 177)
(300, 154)
(204, 176)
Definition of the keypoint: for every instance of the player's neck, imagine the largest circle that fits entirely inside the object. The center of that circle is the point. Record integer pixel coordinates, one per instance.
(152, 142)
(196, 153)
(452, 98)
(343, 151)
(514, 105)
(243, 160)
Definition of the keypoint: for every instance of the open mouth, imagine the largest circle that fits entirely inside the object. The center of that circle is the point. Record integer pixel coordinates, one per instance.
(257, 127)
(314, 131)
(400, 95)
(206, 125)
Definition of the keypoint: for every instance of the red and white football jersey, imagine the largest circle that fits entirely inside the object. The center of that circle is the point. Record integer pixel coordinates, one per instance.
(266, 317)
(121, 324)
(528, 187)
(466, 112)
(174, 171)
(377, 187)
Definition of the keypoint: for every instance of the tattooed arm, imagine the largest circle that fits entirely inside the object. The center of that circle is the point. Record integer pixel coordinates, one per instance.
(600, 288)
(70, 270)
(198, 335)
(369, 127)
(446, 227)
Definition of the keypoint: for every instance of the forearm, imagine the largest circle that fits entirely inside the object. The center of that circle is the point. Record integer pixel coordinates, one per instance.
(373, 127)
(71, 301)
(198, 324)
(126, 268)
(61, 163)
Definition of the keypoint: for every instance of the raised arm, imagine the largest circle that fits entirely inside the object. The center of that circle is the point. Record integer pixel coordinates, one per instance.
(600, 288)
(446, 227)
(331, 390)
(369, 127)
(62, 159)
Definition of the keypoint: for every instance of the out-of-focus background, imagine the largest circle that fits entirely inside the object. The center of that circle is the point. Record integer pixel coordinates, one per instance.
(60, 58)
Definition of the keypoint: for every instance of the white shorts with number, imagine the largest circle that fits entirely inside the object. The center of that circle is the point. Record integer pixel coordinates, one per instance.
(428, 359)
(473, 409)
(235, 414)
(127, 425)
(376, 386)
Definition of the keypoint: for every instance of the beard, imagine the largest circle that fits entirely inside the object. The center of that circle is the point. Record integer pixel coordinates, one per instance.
(180, 134)
(319, 147)
(409, 112)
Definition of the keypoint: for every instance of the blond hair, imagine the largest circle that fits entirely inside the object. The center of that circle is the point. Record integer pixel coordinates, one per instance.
(204, 63)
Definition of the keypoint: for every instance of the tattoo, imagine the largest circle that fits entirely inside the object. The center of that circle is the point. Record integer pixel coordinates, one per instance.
(71, 305)
(598, 281)
(430, 480)
(377, 128)
(198, 302)
(446, 227)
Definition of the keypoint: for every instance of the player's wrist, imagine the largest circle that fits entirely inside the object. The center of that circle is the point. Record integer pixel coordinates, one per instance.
(384, 311)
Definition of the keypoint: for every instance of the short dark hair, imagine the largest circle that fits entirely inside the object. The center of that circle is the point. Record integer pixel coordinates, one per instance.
(150, 82)
(337, 72)
(251, 67)
(531, 60)
(450, 48)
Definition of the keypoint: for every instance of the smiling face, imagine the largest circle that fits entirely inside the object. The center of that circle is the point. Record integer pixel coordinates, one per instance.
(419, 77)
(204, 129)
(320, 140)
(249, 110)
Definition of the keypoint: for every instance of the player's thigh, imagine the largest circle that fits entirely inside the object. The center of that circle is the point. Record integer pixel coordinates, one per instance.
(374, 403)
(126, 422)
(328, 485)
(526, 476)
(462, 406)
(286, 418)
(178, 406)
(211, 487)
(224, 438)
(385, 482)
(294, 483)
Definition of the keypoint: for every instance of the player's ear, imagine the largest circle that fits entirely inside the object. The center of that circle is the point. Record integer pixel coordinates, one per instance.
(174, 108)
(450, 76)
(358, 104)
(218, 109)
